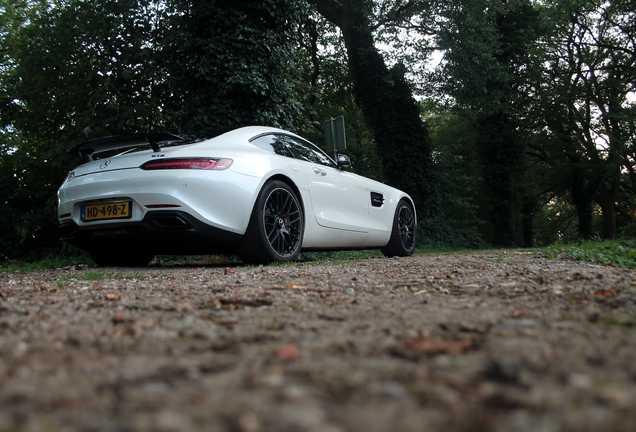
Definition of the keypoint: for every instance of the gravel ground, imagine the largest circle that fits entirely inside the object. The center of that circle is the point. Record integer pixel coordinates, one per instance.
(484, 341)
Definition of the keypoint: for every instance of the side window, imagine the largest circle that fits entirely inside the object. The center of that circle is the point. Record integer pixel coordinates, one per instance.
(306, 151)
(273, 144)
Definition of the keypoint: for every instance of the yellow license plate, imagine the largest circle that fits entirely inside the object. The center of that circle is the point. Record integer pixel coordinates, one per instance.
(106, 211)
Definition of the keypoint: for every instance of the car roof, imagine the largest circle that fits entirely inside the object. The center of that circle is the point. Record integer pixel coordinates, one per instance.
(158, 140)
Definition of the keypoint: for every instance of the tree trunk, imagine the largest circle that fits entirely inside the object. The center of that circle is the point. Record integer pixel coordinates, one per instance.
(527, 221)
(583, 174)
(583, 192)
(501, 155)
(389, 108)
(606, 198)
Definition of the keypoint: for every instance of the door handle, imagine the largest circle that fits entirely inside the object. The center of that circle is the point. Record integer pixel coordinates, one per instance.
(320, 172)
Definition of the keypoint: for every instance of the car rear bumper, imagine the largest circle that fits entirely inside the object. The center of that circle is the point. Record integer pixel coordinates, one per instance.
(166, 232)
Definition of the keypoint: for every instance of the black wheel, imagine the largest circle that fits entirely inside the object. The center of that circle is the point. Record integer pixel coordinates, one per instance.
(403, 234)
(119, 259)
(275, 230)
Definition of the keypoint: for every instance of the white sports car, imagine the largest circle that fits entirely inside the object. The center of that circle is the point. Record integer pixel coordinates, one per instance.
(262, 193)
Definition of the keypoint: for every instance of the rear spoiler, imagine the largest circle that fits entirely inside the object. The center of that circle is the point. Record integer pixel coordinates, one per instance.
(99, 145)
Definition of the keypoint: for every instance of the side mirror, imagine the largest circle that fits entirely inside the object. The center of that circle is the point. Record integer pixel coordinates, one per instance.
(343, 161)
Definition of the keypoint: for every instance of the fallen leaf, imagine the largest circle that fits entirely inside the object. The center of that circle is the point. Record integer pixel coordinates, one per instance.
(230, 345)
(430, 346)
(474, 328)
(330, 317)
(245, 302)
(287, 352)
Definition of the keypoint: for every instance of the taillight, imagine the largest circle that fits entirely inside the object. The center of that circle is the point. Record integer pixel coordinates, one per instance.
(69, 177)
(194, 163)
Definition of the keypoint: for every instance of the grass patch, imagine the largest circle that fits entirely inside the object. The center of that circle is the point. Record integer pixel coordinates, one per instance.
(339, 257)
(102, 275)
(617, 253)
(45, 264)
(194, 260)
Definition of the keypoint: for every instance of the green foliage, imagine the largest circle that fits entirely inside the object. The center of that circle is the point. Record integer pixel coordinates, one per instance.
(461, 202)
(232, 63)
(615, 253)
(330, 95)
(92, 275)
(487, 44)
(75, 74)
(390, 111)
(48, 263)
(590, 116)
(69, 74)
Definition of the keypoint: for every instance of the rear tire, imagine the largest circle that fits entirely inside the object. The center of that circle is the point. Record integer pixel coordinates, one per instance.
(403, 234)
(276, 227)
(139, 259)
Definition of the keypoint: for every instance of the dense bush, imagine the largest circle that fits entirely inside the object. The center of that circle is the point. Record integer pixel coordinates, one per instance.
(618, 253)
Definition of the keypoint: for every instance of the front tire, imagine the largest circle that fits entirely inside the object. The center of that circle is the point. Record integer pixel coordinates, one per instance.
(276, 227)
(403, 234)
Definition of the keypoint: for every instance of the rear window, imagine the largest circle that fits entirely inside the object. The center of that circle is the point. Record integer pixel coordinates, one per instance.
(293, 147)
(195, 137)
(272, 143)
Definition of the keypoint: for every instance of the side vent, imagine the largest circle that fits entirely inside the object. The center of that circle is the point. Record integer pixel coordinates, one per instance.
(377, 199)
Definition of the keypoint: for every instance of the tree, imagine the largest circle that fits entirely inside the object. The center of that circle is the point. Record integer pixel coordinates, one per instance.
(389, 108)
(232, 63)
(329, 94)
(588, 73)
(71, 70)
(455, 151)
(488, 43)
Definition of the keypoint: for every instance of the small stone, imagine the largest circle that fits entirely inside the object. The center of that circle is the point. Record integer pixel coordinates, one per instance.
(506, 369)
(390, 390)
(118, 319)
(580, 381)
(171, 421)
(249, 422)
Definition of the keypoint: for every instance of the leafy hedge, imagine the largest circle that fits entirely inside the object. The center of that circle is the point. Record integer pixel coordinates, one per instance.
(619, 253)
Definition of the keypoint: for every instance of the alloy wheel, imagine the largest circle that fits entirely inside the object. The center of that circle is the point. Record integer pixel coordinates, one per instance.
(283, 222)
(407, 227)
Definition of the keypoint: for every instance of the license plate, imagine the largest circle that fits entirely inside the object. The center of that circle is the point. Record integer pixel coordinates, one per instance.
(117, 210)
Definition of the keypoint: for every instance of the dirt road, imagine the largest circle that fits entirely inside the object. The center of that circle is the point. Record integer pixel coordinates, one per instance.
(487, 341)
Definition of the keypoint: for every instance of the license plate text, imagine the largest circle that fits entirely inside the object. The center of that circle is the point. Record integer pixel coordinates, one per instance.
(105, 211)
